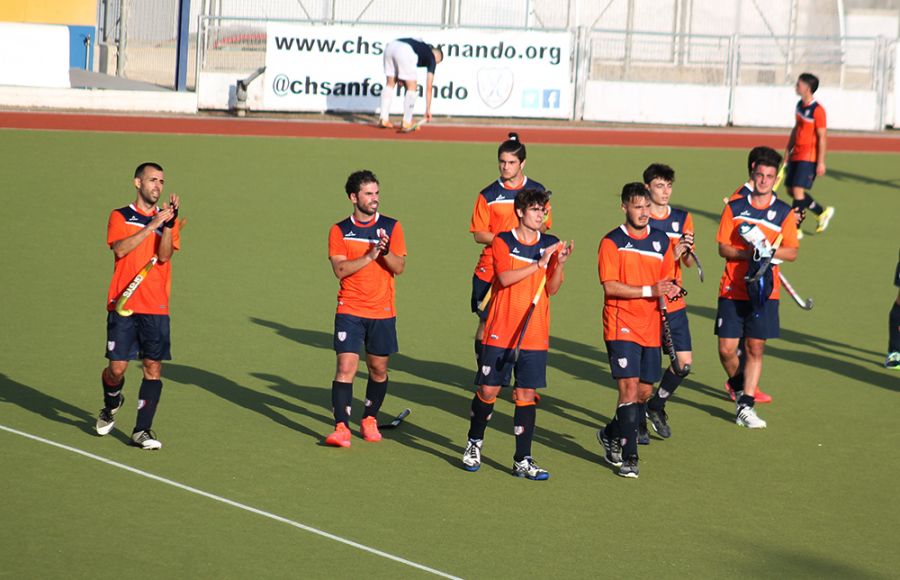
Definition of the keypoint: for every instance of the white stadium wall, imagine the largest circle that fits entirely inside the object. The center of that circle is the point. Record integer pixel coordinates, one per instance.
(34, 55)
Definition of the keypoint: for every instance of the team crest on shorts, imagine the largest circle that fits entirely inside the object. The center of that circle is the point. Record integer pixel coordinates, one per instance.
(675, 226)
(771, 214)
(623, 362)
(342, 336)
(110, 345)
(485, 370)
(719, 323)
(657, 246)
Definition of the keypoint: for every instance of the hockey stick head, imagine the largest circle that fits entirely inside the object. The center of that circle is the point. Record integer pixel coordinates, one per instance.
(397, 420)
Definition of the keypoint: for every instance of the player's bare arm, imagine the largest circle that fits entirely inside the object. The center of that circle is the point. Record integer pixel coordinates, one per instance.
(564, 250)
(732, 253)
(616, 289)
(429, 81)
(791, 140)
(167, 241)
(483, 238)
(510, 277)
(682, 249)
(125, 246)
(820, 151)
(343, 267)
(396, 264)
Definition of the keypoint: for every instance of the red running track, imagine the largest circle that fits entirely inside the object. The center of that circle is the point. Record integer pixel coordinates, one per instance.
(639, 137)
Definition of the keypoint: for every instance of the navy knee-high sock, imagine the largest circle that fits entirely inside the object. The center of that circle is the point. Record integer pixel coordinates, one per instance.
(480, 415)
(628, 416)
(341, 397)
(523, 421)
(667, 386)
(375, 393)
(151, 389)
(894, 340)
(110, 392)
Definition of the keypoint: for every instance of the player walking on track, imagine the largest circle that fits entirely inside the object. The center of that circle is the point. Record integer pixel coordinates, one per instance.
(678, 225)
(143, 239)
(528, 269)
(806, 152)
(637, 266)
(753, 231)
(366, 251)
(494, 213)
(401, 58)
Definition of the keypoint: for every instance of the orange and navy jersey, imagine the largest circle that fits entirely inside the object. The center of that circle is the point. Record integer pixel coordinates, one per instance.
(642, 261)
(773, 219)
(742, 191)
(674, 224)
(152, 296)
(810, 118)
(495, 212)
(368, 292)
(510, 304)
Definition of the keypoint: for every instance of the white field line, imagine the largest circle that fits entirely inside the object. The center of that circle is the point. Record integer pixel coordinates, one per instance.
(232, 503)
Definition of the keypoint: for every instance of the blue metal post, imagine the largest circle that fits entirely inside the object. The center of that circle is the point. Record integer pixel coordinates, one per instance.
(184, 15)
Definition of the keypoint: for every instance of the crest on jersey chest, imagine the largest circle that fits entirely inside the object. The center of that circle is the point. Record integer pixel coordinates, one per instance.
(657, 246)
(676, 226)
(771, 214)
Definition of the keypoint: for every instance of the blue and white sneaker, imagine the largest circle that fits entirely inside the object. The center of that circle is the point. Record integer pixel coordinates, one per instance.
(528, 469)
(892, 361)
(611, 447)
(472, 456)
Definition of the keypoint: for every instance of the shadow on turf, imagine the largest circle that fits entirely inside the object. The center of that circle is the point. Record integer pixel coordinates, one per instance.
(49, 407)
(453, 402)
(819, 359)
(839, 175)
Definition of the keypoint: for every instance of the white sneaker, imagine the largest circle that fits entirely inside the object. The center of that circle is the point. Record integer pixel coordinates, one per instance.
(145, 440)
(747, 417)
(528, 469)
(106, 419)
(472, 456)
(824, 219)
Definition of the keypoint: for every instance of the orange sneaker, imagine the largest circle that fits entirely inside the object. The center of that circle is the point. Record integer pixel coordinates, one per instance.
(369, 429)
(340, 437)
(760, 397)
(385, 124)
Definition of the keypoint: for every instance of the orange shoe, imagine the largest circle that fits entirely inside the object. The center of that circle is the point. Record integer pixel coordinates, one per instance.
(385, 124)
(369, 430)
(340, 437)
(762, 397)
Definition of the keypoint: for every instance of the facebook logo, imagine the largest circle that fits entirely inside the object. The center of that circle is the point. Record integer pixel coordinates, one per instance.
(551, 99)
(531, 99)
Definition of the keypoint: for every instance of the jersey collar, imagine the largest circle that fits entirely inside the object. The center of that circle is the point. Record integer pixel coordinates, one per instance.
(367, 224)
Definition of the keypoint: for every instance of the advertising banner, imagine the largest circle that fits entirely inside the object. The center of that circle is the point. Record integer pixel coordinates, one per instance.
(486, 74)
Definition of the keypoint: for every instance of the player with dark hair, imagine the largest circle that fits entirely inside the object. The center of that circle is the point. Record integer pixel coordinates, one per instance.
(893, 358)
(753, 231)
(637, 266)
(806, 152)
(366, 251)
(494, 213)
(755, 154)
(678, 225)
(401, 58)
(528, 267)
(136, 234)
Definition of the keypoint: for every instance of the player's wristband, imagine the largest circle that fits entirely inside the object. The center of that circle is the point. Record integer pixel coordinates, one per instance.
(646, 291)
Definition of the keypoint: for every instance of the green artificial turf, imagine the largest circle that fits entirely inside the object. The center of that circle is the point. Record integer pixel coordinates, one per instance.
(246, 400)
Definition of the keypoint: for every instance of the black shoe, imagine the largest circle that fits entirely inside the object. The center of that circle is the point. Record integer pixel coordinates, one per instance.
(643, 434)
(612, 447)
(659, 420)
(629, 468)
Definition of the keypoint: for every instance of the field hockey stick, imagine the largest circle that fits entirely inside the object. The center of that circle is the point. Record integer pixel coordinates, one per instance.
(767, 262)
(397, 420)
(132, 287)
(668, 343)
(804, 304)
(696, 261)
(486, 300)
(779, 177)
(527, 319)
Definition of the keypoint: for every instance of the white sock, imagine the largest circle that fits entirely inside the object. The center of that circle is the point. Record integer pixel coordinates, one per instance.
(386, 95)
(409, 103)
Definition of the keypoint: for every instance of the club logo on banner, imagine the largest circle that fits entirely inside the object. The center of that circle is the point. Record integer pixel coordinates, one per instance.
(491, 74)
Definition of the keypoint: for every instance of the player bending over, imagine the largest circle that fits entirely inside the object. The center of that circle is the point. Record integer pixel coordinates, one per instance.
(401, 58)
(637, 266)
(806, 152)
(136, 234)
(678, 225)
(528, 269)
(753, 230)
(366, 251)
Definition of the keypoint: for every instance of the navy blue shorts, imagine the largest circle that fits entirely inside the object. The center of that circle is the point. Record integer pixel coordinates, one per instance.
(496, 367)
(800, 174)
(629, 359)
(681, 332)
(479, 291)
(379, 335)
(736, 319)
(139, 336)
